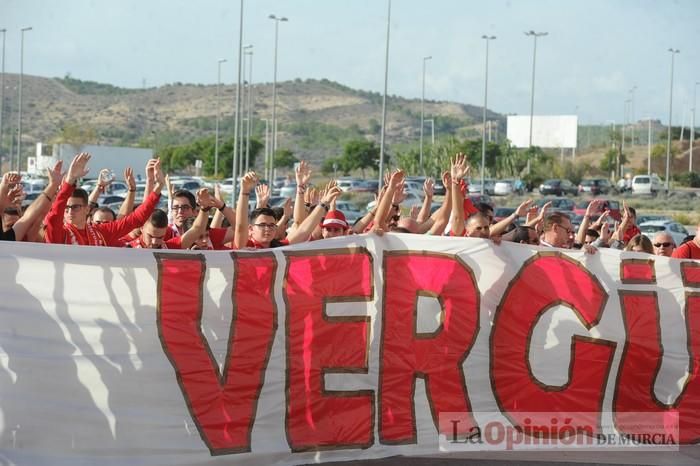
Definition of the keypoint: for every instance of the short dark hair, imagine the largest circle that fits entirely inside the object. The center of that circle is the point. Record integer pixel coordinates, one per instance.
(106, 210)
(483, 207)
(593, 233)
(632, 211)
(522, 234)
(279, 212)
(81, 193)
(158, 219)
(188, 195)
(261, 211)
(554, 219)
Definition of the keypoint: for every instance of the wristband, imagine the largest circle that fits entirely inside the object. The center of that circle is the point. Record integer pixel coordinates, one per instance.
(244, 194)
(221, 209)
(325, 206)
(132, 190)
(395, 206)
(47, 196)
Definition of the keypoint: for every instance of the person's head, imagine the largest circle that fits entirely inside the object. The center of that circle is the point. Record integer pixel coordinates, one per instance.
(154, 230)
(263, 226)
(663, 244)
(183, 207)
(334, 224)
(558, 230)
(103, 215)
(485, 209)
(9, 217)
(591, 235)
(478, 226)
(633, 213)
(525, 235)
(406, 225)
(640, 243)
(201, 243)
(77, 211)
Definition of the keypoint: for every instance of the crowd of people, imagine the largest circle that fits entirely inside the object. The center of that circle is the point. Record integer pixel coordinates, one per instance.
(66, 214)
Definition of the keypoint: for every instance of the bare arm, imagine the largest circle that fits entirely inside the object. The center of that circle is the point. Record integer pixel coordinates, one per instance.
(385, 204)
(500, 227)
(128, 205)
(304, 231)
(303, 175)
(240, 238)
(458, 170)
(427, 201)
(41, 205)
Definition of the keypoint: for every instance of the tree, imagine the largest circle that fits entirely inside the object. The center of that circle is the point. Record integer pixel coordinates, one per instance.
(360, 154)
(77, 135)
(284, 158)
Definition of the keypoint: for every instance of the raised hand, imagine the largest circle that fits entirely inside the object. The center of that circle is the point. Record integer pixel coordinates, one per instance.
(55, 174)
(414, 212)
(594, 207)
(460, 167)
(17, 195)
(78, 167)
(217, 192)
(10, 179)
(446, 179)
(248, 182)
(523, 208)
(129, 178)
(159, 177)
(262, 193)
(302, 173)
(396, 179)
(204, 199)
(428, 187)
(288, 207)
(331, 195)
(104, 179)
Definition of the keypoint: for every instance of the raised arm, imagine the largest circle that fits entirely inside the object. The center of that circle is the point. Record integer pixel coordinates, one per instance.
(424, 213)
(54, 219)
(303, 175)
(9, 181)
(303, 232)
(199, 226)
(128, 205)
(458, 170)
(441, 217)
(284, 221)
(593, 208)
(240, 237)
(500, 227)
(41, 205)
(103, 182)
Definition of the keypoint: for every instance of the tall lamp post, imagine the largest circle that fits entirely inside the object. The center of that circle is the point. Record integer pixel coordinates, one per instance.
(19, 117)
(625, 121)
(534, 35)
(422, 115)
(486, 93)
(386, 82)
(273, 148)
(250, 97)
(692, 128)
(246, 85)
(267, 152)
(632, 119)
(2, 92)
(432, 130)
(218, 117)
(670, 111)
(234, 169)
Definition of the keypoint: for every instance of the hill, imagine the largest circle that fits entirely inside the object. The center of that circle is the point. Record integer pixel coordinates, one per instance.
(314, 116)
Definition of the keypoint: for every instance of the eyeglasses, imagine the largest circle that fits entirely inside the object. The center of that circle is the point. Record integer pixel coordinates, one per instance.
(74, 207)
(181, 208)
(269, 226)
(568, 231)
(663, 245)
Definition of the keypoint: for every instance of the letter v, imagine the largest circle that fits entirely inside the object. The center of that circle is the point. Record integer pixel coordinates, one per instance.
(222, 404)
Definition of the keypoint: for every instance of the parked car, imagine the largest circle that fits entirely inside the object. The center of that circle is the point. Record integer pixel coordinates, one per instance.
(595, 186)
(609, 204)
(651, 218)
(439, 189)
(559, 204)
(475, 186)
(558, 187)
(647, 184)
(675, 229)
(508, 187)
(410, 200)
(352, 213)
(502, 212)
(351, 185)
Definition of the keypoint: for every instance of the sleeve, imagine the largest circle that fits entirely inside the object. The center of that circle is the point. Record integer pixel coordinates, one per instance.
(469, 208)
(681, 252)
(112, 231)
(174, 243)
(54, 219)
(216, 236)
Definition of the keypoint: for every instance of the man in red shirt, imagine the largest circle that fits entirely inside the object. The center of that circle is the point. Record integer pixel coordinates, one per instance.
(689, 249)
(66, 222)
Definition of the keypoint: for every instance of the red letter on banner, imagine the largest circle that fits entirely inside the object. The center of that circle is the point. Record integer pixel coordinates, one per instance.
(436, 357)
(319, 344)
(641, 361)
(222, 406)
(543, 282)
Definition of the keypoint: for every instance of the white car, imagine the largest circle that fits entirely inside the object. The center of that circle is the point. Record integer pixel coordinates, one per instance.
(507, 187)
(675, 229)
(647, 184)
(411, 200)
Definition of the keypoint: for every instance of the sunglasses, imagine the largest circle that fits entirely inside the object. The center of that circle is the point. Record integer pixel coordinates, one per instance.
(663, 245)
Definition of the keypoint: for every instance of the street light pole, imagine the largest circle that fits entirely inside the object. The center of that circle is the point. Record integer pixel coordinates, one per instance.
(692, 128)
(422, 116)
(218, 117)
(432, 130)
(486, 93)
(632, 120)
(267, 162)
(625, 120)
(274, 97)
(246, 84)
(250, 98)
(670, 112)
(19, 117)
(386, 82)
(534, 35)
(234, 169)
(2, 92)
(649, 147)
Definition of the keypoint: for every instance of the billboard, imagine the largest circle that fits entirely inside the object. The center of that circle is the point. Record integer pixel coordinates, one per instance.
(548, 131)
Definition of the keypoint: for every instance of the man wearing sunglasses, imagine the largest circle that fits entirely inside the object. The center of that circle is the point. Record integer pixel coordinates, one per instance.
(689, 249)
(66, 222)
(558, 232)
(663, 244)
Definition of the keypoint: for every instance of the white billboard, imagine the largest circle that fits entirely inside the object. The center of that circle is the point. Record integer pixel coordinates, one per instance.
(548, 131)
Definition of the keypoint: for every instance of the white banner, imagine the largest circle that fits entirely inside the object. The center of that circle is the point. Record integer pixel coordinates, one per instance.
(352, 348)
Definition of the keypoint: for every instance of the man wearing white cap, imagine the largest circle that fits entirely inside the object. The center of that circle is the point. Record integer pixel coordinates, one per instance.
(334, 224)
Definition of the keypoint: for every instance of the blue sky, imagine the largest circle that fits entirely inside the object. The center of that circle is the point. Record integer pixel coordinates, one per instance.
(596, 50)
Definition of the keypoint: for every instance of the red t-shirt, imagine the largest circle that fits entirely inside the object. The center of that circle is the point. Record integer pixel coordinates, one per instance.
(274, 244)
(688, 250)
